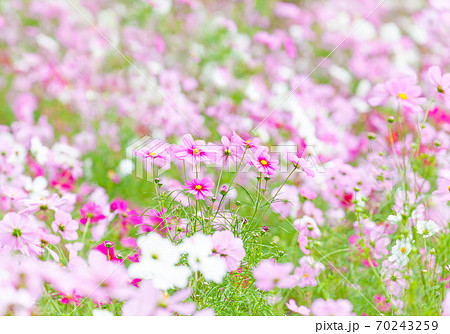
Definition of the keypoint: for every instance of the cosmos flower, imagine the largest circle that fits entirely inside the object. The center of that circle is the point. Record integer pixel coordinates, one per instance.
(193, 151)
(292, 306)
(229, 248)
(91, 211)
(200, 188)
(18, 232)
(269, 275)
(261, 160)
(340, 307)
(427, 228)
(65, 225)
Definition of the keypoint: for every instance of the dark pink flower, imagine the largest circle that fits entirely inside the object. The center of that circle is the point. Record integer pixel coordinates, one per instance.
(199, 187)
(91, 211)
(193, 151)
(261, 160)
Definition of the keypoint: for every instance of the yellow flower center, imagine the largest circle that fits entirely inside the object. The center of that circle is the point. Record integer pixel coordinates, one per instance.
(305, 275)
(263, 162)
(198, 187)
(248, 141)
(152, 154)
(440, 90)
(448, 188)
(196, 151)
(403, 249)
(403, 96)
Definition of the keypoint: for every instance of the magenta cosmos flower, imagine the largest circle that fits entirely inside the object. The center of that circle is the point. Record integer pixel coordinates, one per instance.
(229, 248)
(193, 151)
(18, 232)
(91, 211)
(65, 225)
(340, 307)
(269, 275)
(199, 187)
(261, 160)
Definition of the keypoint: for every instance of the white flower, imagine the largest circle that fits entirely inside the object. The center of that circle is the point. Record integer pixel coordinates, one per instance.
(400, 252)
(427, 228)
(36, 187)
(394, 219)
(39, 151)
(158, 263)
(199, 249)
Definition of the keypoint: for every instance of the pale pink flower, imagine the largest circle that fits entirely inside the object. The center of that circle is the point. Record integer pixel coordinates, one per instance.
(307, 228)
(302, 310)
(229, 248)
(19, 232)
(252, 143)
(301, 164)
(65, 225)
(404, 90)
(340, 307)
(446, 304)
(269, 275)
(441, 82)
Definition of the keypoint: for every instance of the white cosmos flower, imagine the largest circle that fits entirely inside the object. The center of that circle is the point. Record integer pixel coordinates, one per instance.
(401, 251)
(199, 249)
(158, 263)
(158, 249)
(39, 151)
(427, 228)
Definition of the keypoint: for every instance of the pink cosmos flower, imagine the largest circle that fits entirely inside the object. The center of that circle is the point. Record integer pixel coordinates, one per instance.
(229, 248)
(19, 232)
(156, 149)
(91, 211)
(252, 143)
(446, 304)
(340, 307)
(263, 163)
(441, 82)
(308, 271)
(65, 225)
(53, 202)
(442, 194)
(406, 93)
(107, 248)
(149, 301)
(301, 164)
(102, 279)
(228, 153)
(302, 310)
(199, 187)
(126, 215)
(269, 275)
(193, 152)
(307, 228)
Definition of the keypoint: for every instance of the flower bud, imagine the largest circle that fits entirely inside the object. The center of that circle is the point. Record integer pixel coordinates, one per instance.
(223, 190)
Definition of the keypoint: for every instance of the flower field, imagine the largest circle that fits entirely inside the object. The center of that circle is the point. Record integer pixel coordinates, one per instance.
(229, 158)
